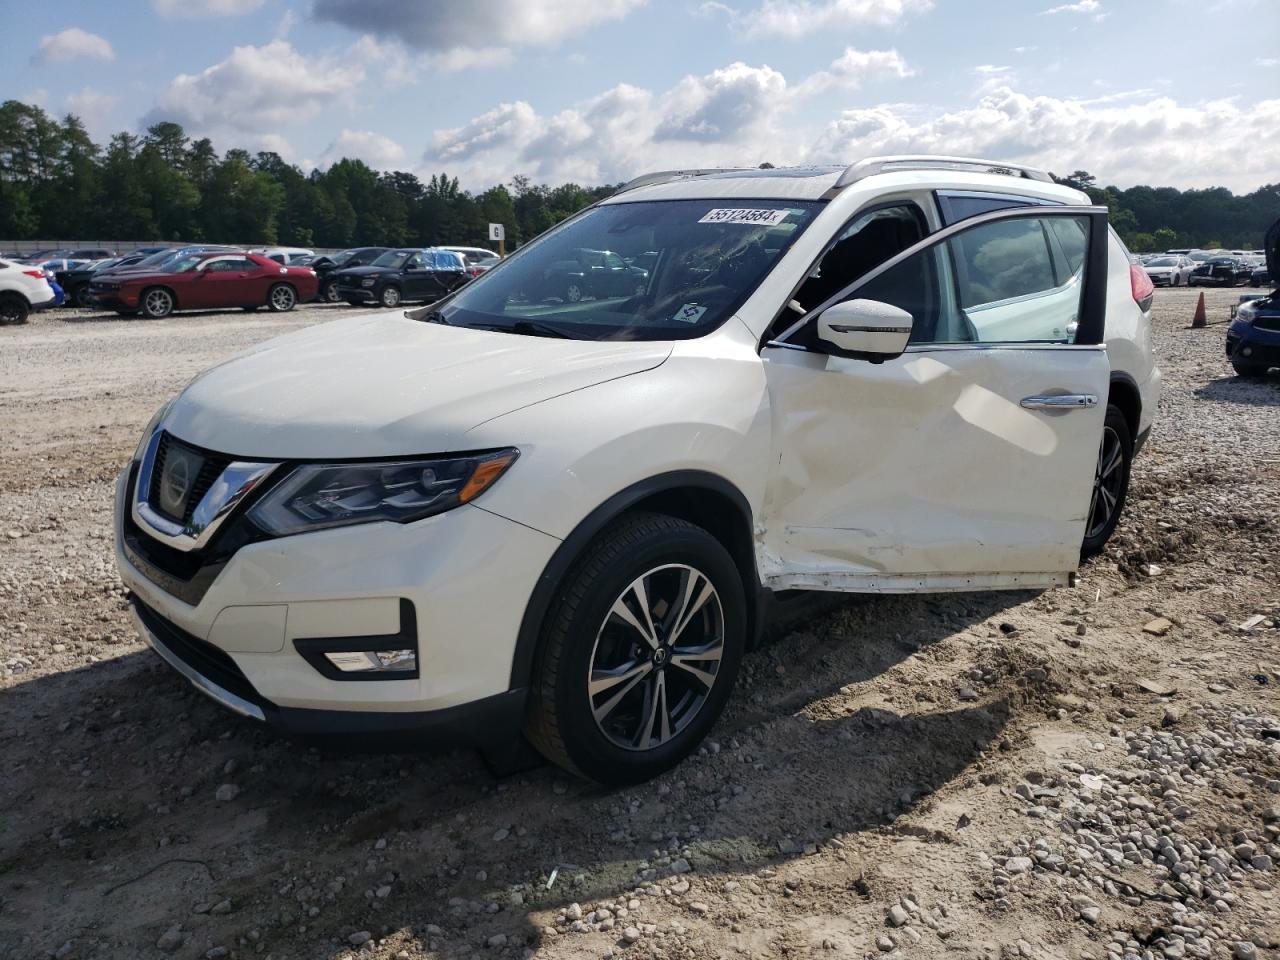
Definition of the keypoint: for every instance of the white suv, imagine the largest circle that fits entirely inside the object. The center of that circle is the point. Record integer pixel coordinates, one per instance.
(23, 288)
(511, 513)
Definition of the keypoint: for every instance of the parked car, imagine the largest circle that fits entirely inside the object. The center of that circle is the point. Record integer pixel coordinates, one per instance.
(1261, 276)
(284, 255)
(474, 257)
(1220, 272)
(402, 275)
(23, 288)
(570, 519)
(1169, 271)
(75, 280)
(161, 259)
(588, 274)
(198, 281)
(325, 266)
(1253, 338)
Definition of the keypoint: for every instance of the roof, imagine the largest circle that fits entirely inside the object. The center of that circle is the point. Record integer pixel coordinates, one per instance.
(823, 182)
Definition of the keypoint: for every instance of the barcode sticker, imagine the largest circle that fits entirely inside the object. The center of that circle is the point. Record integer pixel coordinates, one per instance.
(754, 218)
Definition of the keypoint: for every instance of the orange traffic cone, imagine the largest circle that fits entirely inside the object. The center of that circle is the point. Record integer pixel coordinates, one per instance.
(1199, 320)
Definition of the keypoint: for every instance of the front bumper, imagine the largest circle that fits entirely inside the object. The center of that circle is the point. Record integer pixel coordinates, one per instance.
(358, 294)
(468, 574)
(1248, 344)
(112, 299)
(481, 723)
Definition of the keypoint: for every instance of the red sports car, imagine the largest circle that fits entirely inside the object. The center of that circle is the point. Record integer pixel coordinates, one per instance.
(201, 281)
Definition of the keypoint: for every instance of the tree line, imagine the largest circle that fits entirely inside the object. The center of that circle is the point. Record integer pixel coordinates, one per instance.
(55, 182)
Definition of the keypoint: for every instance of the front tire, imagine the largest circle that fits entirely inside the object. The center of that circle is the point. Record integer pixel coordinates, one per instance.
(639, 651)
(1110, 481)
(573, 292)
(1249, 370)
(157, 303)
(329, 292)
(390, 297)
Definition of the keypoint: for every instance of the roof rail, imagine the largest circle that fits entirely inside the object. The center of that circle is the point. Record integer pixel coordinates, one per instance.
(874, 165)
(666, 176)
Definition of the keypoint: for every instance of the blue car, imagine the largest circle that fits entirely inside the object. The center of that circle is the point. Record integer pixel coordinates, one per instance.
(1253, 339)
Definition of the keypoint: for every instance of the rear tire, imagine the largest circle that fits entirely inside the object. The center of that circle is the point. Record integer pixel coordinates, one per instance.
(282, 298)
(14, 309)
(1111, 481)
(671, 681)
(75, 295)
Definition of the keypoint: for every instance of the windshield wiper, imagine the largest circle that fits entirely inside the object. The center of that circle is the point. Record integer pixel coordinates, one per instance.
(427, 315)
(525, 328)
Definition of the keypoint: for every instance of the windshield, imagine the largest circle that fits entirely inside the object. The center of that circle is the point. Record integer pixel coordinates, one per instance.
(657, 270)
(393, 258)
(181, 264)
(1162, 262)
(340, 259)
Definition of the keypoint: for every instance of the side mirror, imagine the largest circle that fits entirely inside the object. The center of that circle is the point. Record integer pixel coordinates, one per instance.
(865, 329)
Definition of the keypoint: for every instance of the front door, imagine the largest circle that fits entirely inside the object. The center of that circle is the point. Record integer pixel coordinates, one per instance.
(967, 462)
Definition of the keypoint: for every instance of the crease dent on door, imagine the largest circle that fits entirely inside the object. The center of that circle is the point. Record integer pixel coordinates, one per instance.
(868, 501)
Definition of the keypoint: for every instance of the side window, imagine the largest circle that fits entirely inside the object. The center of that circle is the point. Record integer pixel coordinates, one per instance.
(961, 205)
(1072, 241)
(1003, 261)
(278, 258)
(613, 261)
(868, 241)
(992, 283)
(415, 262)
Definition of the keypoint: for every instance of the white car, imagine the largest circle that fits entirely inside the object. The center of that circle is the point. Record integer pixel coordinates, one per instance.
(500, 515)
(284, 255)
(1169, 271)
(23, 288)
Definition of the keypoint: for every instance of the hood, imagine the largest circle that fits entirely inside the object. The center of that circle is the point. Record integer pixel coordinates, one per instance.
(386, 386)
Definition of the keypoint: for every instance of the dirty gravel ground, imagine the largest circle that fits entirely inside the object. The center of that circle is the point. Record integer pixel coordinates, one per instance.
(977, 776)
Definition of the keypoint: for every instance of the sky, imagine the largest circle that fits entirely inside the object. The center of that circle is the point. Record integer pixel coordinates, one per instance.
(1182, 93)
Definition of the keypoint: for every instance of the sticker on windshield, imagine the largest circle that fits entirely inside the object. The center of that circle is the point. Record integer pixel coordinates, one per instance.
(752, 218)
(689, 313)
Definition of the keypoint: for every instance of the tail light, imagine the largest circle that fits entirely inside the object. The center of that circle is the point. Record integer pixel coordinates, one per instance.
(38, 274)
(1141, 285)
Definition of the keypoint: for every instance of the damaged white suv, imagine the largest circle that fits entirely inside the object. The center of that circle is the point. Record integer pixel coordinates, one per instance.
(557, 504)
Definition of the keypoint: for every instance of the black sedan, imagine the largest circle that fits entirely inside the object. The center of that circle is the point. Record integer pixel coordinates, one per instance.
(1220, 272)
(75, 282)
(592, 273)
(401, 275)
(326, 265)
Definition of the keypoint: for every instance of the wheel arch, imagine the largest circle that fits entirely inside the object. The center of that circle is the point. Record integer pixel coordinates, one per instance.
(1124, 393)
(142, 295)
(699, 497)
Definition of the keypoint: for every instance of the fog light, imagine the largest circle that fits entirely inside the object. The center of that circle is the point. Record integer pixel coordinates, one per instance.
(373, 661)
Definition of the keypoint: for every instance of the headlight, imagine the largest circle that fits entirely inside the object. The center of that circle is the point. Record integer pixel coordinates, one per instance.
(368, 281)
(1246, 311)
(150, 429)
(320, 495)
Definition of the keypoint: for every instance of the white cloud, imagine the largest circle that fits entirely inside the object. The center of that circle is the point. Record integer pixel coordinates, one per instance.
(856, 67)
(91, 104)
(378, 151)
(255, 89)
(1268, 62)
(726, 105)
(1156, 141)
(446, 26)
(399, 65)
(71, 43)
(285, 25)
(798, 18)
(204, 9)
(1091, 7)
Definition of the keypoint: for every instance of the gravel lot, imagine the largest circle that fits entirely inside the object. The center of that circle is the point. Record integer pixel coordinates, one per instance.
(1087, 772)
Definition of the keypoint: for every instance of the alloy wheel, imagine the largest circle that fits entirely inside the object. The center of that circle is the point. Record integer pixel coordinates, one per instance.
(331, 293)
(390, 297)
(158, 303)
(656, 657)
(1108, 478)
(573, 293)
(282, 298)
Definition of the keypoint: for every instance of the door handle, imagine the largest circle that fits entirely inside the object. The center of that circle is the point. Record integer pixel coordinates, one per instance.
(1065, 401)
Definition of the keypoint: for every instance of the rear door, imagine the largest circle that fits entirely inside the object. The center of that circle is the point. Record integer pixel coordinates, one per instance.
(968, 462)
